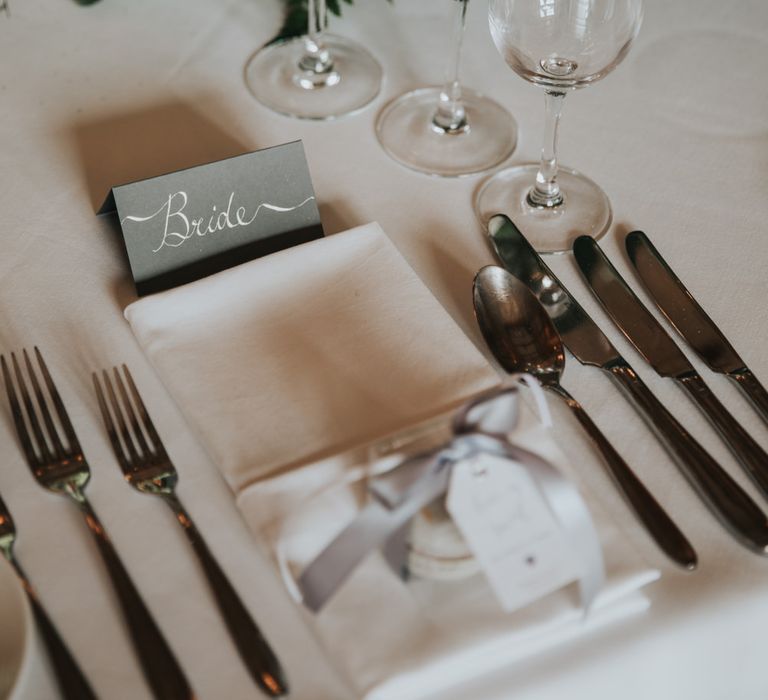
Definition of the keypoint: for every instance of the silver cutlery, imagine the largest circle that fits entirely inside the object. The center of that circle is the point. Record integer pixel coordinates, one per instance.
(148, 468)
(691, 321)
(62, 468)
(651, 340)
(522, 337)
(589, 345)
(69, 677)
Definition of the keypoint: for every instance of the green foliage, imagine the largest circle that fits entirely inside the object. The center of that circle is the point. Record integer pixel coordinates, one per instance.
(297, 17)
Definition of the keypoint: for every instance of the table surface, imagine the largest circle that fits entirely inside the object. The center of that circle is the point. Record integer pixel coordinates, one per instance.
(678, 137)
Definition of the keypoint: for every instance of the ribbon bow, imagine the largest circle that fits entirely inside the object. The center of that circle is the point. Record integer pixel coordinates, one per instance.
(485, 425)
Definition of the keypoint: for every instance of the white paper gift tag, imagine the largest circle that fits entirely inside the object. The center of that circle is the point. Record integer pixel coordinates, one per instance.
(511, 530)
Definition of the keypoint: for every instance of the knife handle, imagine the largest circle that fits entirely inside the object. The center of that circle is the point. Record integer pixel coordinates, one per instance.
(725, 498)
(753, 390)
(655, 519)
(751, 456)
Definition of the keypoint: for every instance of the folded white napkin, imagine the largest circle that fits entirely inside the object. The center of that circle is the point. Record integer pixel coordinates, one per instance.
(306, 352)
(286, 367)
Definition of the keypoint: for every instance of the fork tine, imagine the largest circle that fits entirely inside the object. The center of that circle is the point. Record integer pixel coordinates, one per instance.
(132, 416)
(134, 455)
(42, 404)
(149, 426)
(66, 424)
(117, 448)
(42, 445)
(18, 417)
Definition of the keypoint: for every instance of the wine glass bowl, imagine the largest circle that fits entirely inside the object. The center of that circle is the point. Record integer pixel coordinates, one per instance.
(563, 45)
(560, 45)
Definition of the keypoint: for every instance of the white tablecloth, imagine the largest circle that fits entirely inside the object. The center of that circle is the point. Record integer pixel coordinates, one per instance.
(678, 136)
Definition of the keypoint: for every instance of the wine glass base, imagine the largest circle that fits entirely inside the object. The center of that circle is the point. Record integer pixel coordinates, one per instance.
(585, 209)
(275, 79)
(406, 131)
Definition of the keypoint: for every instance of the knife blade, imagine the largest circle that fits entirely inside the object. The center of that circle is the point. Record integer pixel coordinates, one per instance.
(588, 344)
(690, 320)
(580, 334)
(647, 335)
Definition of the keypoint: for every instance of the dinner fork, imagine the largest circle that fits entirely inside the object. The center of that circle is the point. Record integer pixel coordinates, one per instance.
(148, 468)
(63, 469)
(71, 681)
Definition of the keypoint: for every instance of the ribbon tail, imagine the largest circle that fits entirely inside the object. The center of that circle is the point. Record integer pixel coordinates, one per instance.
(338, 560)
(372, 527)
(580, 531)
(575, 519)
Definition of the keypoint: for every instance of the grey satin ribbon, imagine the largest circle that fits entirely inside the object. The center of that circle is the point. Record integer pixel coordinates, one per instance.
(401, 493)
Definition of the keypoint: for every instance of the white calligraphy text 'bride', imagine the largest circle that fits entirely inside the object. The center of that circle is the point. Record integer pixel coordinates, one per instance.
(179, 227)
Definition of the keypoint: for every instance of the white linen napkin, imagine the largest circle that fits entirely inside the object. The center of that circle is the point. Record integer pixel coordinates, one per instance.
(306, 352)
(285, 367)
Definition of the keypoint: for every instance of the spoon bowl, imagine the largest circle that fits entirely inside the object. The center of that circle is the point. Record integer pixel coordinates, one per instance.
(516, 327)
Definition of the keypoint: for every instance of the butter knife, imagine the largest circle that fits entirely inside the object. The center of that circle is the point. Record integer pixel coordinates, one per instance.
(643, 330)
(691, 321)
(589, 345)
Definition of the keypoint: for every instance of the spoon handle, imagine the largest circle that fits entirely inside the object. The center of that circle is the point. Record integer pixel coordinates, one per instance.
(656, 521)
(725, 498)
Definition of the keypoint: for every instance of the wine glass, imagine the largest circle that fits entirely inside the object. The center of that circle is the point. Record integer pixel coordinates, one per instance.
(449, 130)
(316, 76)
(560, 45)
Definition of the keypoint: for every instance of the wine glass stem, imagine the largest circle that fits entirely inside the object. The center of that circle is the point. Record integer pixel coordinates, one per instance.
(450, 115)
(546, 192)
(316, 59)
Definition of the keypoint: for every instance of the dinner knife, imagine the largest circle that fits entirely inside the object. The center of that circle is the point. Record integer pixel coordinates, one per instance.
(589, 345)
(643, 330)
(691, 321)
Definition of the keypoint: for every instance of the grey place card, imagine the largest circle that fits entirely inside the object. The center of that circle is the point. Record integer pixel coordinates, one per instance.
(191, 223)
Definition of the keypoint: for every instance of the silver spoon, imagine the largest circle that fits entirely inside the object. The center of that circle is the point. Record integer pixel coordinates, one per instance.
(522, 338)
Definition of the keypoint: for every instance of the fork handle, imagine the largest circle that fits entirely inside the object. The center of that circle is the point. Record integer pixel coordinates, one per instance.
(72, 684)
(159, 665)
(254, 650)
